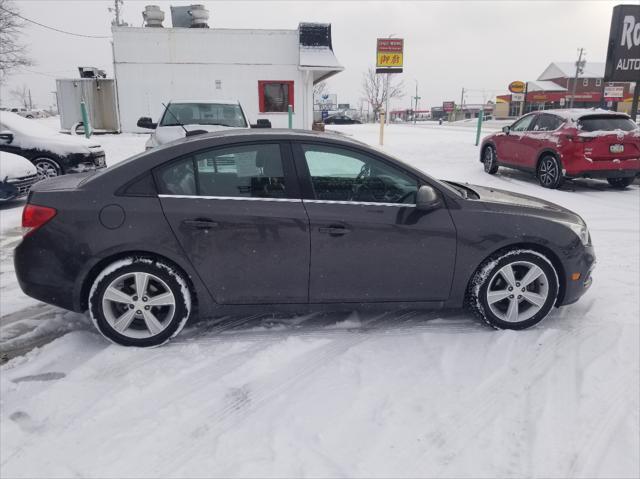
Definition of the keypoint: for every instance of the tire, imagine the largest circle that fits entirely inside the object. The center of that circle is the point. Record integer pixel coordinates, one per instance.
(489, 160)
(620, 183)
(521, 307)
(549, 172)
(121, 302)
(47, 168)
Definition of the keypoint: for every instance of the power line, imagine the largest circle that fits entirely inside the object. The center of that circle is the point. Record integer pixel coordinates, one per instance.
(52, 28)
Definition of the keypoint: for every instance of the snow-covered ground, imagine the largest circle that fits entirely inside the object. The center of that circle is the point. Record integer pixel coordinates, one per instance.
(343, 394)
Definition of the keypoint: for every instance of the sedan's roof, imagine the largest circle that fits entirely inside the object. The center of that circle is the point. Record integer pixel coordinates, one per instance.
(273, 133)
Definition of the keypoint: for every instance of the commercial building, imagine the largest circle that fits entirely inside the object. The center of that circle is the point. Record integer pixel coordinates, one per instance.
(266, 70)
(555, 86)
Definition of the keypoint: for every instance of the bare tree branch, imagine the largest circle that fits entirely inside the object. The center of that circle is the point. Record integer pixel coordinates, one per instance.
(13, 53)
(374, 88)
(21, 94)
(319, 89)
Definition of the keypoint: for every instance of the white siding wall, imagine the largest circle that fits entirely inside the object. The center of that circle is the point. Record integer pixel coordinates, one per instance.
(153, 66)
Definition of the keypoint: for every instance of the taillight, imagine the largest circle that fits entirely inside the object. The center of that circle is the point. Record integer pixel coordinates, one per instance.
(580, 139)
(34, 216)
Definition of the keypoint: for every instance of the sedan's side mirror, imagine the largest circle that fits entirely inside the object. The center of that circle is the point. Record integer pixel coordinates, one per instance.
(6, 136)
(427, 198)
(506, 129)
(146, 122)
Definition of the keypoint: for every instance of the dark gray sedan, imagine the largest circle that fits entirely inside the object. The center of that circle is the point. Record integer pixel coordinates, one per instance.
(290, 220)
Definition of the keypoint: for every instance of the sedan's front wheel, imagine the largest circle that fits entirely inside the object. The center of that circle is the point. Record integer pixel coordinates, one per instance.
(514, 289)
(139, 302)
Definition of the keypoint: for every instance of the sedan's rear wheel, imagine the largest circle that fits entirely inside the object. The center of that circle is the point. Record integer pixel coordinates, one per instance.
(550, 172)
(489, 160)
(514, 289)
(620, 183)
(139, 302)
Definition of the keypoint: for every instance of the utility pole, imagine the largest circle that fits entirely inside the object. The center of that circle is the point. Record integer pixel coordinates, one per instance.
(386, 94)
(461, 101)
(30, 102)
(579, 66)
(116, 10)
(416, 98)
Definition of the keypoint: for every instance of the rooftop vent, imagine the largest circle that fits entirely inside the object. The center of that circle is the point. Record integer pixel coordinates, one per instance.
(193, 16)
(153, 16)
(91, 72)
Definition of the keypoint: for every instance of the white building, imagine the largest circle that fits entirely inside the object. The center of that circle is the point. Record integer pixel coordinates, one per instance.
(264, 69)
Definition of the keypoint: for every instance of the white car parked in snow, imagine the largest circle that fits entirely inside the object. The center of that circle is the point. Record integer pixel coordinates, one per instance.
(193, 116)
(17, 175)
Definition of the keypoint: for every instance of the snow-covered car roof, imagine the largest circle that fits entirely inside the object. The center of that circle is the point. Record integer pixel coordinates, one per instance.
(202, 100)
(32, 134)
(577, 113)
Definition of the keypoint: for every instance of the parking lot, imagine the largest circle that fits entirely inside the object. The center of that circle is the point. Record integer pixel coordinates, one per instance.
(346, 393)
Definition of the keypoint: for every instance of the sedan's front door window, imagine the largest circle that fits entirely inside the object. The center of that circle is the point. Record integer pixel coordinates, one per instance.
(247, 171)
(339, 174)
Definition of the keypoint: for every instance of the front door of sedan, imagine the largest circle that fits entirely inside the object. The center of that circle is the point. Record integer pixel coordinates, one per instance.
(509, 146)
(237, 213)
(369, 243)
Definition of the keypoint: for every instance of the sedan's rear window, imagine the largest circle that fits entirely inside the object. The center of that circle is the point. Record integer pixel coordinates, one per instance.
(606, 123)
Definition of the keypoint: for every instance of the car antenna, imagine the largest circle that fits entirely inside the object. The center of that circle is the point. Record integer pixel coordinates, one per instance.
(176, 119)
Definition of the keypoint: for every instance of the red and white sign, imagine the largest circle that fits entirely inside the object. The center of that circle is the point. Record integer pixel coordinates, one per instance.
(448, 106)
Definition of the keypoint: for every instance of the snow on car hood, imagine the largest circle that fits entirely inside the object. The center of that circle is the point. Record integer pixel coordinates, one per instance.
(492, 195)
(14, 166)
(165, 134)
(30, 134)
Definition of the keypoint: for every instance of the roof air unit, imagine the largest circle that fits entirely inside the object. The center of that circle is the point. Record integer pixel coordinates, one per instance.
(153, 16)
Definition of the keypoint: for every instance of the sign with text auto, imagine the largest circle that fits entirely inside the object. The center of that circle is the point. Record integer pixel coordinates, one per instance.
(623, 53)
(389, 55)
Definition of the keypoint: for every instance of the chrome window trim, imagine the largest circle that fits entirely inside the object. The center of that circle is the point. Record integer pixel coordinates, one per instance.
(290, 200)
(361, 203)
(235, 198)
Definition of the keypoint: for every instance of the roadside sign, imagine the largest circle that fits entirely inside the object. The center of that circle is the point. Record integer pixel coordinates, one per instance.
(448, 106)
(389, 55)
(623, 53)
(517, 86)
(613, 92)
(325, 115)
(517, 97)
(562, 101)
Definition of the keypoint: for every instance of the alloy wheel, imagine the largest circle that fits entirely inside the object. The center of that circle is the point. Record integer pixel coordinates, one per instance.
(46, 169)
(138, 305)
(517, 291)
(488, 159)
(548, 172)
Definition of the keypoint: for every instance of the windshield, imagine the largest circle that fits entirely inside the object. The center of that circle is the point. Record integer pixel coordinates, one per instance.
(203, 114)
(606, 123)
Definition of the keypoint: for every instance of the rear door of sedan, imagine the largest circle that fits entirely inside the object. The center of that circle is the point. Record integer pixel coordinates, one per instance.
(236, 211)
(369, 243)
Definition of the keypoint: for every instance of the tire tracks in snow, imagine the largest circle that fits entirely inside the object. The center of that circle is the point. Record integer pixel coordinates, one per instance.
(266, 388)
(469, 417)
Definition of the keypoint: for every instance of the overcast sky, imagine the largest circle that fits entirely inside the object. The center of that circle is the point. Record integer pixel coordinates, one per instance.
(448, 45)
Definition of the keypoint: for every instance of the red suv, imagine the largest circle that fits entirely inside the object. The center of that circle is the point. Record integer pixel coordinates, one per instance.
(558, 144)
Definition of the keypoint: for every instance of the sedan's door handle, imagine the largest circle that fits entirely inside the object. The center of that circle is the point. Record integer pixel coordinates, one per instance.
(200, 224)
(334, 230)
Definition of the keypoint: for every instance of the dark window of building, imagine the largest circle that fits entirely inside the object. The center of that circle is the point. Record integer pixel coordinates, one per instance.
(585, 82)
(275, 96)
(598, 81)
